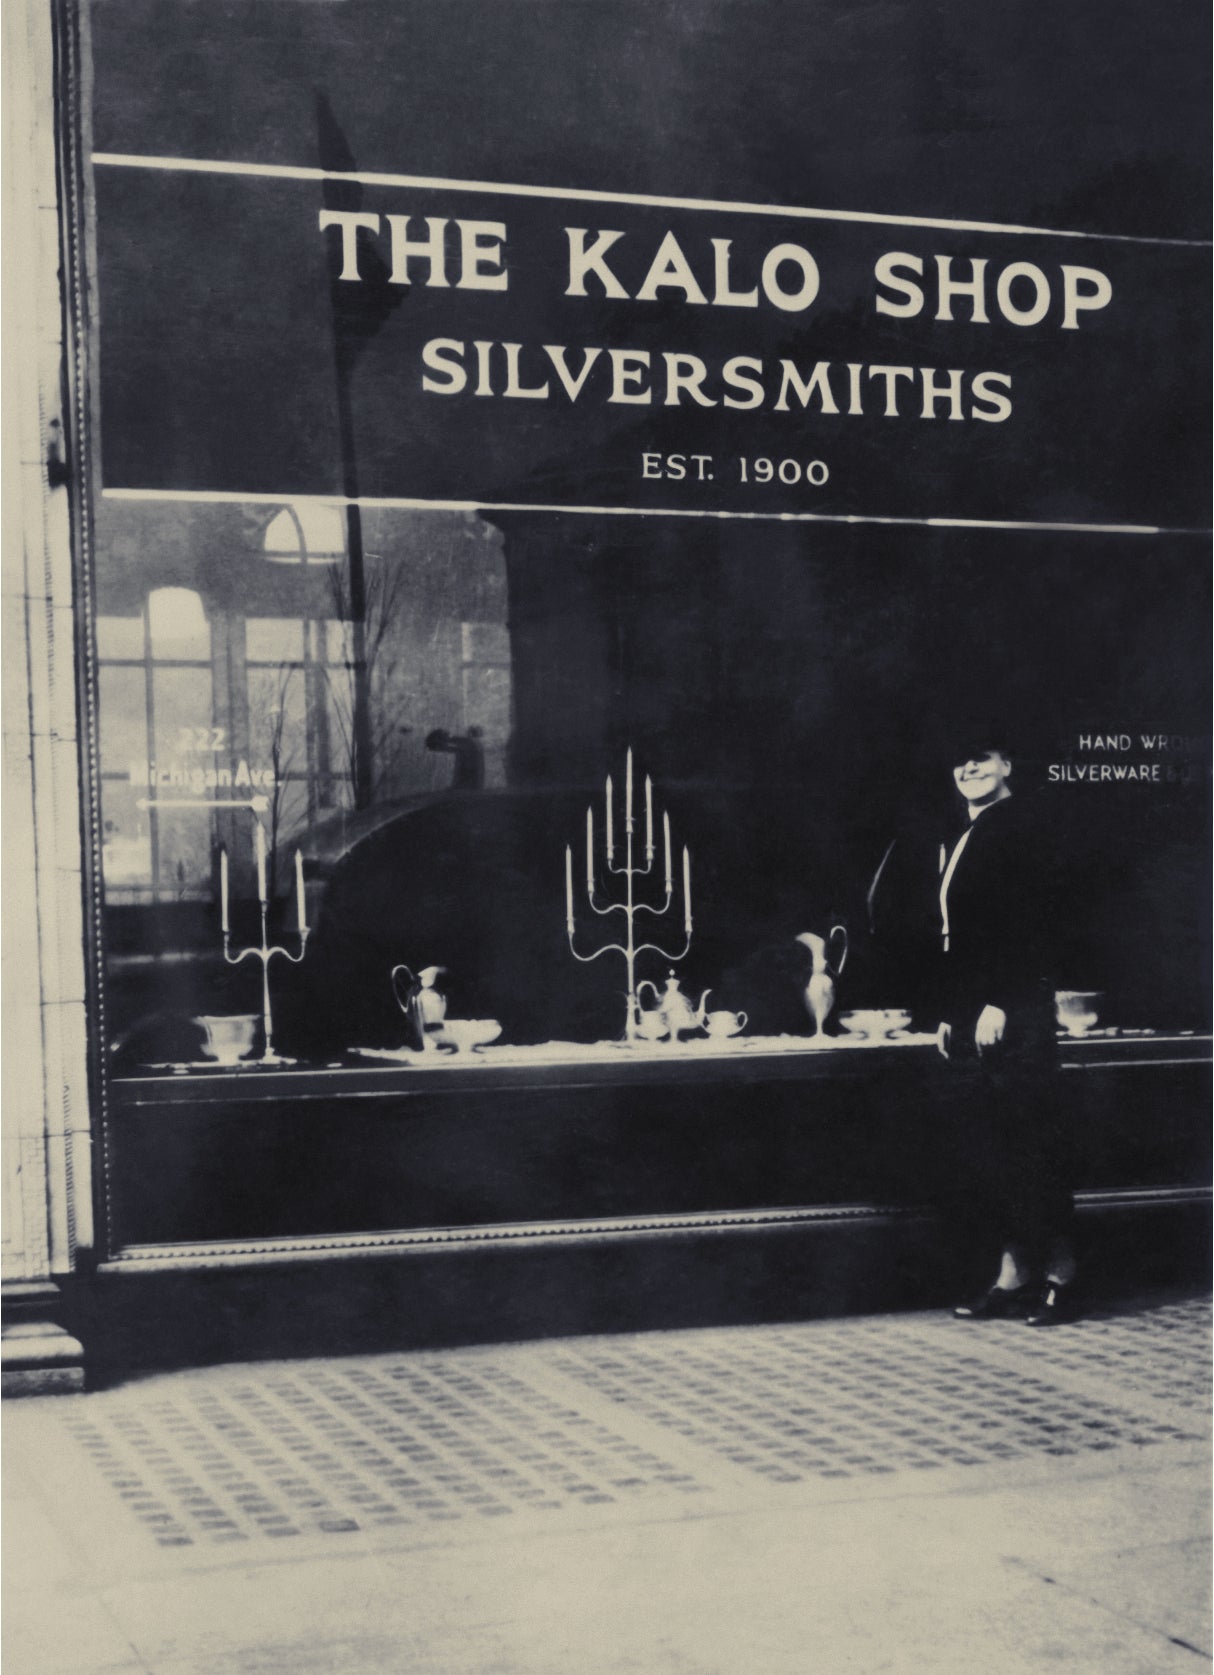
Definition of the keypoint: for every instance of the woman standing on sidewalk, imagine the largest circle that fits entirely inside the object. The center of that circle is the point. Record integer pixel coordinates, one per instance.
(990, 914)
(997, 1031)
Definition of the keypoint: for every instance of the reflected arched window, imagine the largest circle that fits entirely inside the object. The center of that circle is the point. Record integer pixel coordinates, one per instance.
(306, 533)
(158, 738)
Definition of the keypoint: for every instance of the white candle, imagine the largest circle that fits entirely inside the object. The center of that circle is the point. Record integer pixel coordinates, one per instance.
(223, 891)
(259, 847)
(590, 850)
(569, 888)
(628, 794)
(610, 823)
(666, 843)
(300, 901)
(649, 817)
(687, 889)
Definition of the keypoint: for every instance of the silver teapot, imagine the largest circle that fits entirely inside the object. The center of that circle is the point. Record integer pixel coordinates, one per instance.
(671, 1008)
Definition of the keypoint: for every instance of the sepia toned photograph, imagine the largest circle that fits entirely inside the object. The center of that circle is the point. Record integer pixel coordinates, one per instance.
(606, 839)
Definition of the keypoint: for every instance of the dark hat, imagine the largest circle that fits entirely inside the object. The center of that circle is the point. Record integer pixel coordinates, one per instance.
(975, 738)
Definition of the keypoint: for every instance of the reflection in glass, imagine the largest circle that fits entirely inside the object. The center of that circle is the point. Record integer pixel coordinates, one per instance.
(177, 624)
(231, 675)
(126, 846)
(775, 687)
(184, 746)
(274, 640)
(154, 676)
(122, 691)
(306, 534)
(120, 637)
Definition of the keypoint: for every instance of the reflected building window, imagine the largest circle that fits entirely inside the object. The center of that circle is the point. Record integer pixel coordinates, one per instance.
(230, 669)
(300, 699)
(306, 534)
(158, 737)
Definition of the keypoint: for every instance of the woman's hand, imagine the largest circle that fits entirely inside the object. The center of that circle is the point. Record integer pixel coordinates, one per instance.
(944, 1039)
(992, 1021)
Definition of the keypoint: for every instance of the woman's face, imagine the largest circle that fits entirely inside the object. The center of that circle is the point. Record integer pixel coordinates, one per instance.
(982, 778)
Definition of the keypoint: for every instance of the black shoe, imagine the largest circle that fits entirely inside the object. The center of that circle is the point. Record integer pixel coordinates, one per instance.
(997, 1304)
(1056, 1306)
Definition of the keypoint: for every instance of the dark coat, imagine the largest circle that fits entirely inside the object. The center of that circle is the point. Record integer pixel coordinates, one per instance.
(1004, 917)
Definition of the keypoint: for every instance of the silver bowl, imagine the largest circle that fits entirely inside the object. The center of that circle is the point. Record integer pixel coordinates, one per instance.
(872, 1025)
(896, 1020)
(466, 1034)
(228, 1039)
(863, 1025)
(1078, 1010)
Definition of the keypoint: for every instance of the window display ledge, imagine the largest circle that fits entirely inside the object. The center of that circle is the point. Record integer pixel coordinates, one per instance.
(371, 1071)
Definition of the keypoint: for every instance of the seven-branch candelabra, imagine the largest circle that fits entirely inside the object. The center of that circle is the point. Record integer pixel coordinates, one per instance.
(627, 870)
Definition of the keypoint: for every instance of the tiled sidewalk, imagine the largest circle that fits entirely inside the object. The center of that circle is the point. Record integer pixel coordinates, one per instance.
(885, 1493)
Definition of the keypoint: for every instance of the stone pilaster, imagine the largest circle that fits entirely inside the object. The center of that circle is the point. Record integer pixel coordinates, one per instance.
(46, 1128)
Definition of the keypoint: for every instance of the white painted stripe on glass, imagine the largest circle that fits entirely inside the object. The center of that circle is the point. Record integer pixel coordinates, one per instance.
(287, 171)
(400, 503)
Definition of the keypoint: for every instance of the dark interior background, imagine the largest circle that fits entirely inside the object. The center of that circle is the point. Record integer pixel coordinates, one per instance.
(794, 696)
(1091, 115)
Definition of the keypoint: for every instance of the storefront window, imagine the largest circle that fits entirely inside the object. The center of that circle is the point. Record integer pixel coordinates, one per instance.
(231, 699)
(405, 545)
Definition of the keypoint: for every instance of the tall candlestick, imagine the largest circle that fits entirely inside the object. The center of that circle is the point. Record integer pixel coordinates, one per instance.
(628, 794)
(610, 823)
(686, 890)
(649, 817)
(590, 850)
(666, 845)
(262, 949)
(569, 888)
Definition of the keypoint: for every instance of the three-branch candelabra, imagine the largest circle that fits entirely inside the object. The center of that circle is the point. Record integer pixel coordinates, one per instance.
(265, 952)
(630, 907)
